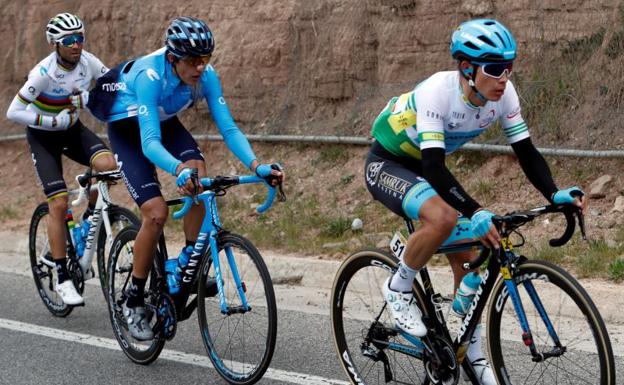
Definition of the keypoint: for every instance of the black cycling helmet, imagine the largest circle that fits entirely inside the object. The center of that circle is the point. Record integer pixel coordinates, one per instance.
(188, 36)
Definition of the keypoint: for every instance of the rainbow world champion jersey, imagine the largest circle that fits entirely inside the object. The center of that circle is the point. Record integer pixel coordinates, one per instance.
(437, 114)
(49, 85)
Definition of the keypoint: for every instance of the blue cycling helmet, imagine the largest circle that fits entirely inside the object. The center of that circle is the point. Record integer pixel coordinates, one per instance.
(188, 36)
(483, 40)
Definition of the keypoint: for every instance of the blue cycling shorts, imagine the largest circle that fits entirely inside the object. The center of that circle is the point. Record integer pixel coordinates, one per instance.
(138, 172)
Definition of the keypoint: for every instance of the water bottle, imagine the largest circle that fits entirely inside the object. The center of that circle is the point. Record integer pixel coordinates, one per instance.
(183, 259)
(84, 229)
(74, 231)
(465, 293)
(171, 268)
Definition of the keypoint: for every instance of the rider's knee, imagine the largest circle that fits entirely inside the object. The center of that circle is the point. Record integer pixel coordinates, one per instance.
(58, 204)
(442, 218)
(155, 213)
(104, 162)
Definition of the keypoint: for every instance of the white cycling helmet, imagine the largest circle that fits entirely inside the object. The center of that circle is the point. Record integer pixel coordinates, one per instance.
(63, 24)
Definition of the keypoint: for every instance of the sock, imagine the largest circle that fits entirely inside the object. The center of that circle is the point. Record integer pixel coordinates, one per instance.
(135, 292)
(474, 348)
(61, 270)
(189, 243)
(403, 278)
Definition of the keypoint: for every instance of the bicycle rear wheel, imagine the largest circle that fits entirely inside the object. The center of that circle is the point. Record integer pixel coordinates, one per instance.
(370, 348)
(241, 344)
(45, 276)
(120, 218)
(119, 275)
(584, 355)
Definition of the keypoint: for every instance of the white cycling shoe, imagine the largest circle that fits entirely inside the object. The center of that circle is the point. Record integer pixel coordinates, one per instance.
(405, 312)
(68, 293)
(479, 362)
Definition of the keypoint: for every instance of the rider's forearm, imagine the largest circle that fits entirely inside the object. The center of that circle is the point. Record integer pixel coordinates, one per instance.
(445, 184)
(18, 113)
(535, 167)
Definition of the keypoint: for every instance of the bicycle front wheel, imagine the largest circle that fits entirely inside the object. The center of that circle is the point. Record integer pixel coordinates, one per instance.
(241, 341)
(120, 264)
(120, 218)
(45, 276)
(370, 347)
(583, 353)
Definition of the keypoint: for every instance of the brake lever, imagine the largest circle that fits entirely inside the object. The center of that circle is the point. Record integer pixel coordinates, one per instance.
(581, 222)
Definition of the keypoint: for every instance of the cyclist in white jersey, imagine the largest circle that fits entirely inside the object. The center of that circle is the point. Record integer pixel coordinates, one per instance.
(48, 105)
(405, 169)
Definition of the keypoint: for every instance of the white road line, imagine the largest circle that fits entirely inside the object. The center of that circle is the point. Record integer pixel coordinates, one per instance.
(171, 355)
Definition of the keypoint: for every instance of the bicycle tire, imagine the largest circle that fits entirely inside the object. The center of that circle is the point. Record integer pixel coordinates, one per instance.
(44, 275)
(120, 263)
(120, 218)
(237, 360)
(356, 300)
(562, 296)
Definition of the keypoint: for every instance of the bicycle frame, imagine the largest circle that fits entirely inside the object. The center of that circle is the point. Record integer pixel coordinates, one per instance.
(99, 217)
(504, 263)
(207, 241)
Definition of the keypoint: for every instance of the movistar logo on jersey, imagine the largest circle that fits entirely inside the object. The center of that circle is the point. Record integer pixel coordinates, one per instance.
(112, 87)
(58, 91)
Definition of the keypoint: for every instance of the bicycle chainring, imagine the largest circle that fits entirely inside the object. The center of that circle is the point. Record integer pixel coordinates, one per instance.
(441, 365)
(75, 272)
(166, 322)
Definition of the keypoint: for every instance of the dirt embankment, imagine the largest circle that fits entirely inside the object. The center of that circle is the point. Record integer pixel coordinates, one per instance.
(328, 67)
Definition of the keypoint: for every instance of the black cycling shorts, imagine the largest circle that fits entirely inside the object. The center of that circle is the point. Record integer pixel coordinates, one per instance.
(396, 182)
(138, 172)
(77, 143)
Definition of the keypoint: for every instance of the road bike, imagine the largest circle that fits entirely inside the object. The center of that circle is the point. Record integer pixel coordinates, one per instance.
(542, 326)
(228, 279)
(97, 242)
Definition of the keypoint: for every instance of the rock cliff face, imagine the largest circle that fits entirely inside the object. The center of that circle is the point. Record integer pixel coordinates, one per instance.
(328, 67)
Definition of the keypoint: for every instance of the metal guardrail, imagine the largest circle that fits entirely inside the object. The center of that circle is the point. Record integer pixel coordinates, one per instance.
(358, 140)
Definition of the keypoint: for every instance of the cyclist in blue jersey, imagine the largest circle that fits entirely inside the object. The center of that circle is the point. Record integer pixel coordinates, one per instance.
(47, 105)
(405, 169)
(140, 100)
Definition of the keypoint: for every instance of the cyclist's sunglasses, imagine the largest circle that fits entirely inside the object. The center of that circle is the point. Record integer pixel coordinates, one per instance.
(197, 61)
(496, 70)
(70, 40)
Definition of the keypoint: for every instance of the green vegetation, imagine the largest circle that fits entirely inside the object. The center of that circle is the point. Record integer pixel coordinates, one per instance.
(8, 212)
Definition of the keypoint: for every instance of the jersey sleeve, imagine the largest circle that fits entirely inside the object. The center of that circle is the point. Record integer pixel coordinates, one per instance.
(17, 112)
(513, 124)
(233, 137)
(150, 87)
(430, 117)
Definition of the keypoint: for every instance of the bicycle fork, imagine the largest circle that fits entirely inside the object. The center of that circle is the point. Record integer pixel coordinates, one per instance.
(509, 271)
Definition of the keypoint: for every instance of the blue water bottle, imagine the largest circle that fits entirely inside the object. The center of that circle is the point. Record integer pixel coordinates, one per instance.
(465, 293)
(84, 229)
(75, 233)
(171, 267)
(183, 259)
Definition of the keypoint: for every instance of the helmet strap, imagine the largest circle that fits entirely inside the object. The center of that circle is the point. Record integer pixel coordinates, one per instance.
(469, 74)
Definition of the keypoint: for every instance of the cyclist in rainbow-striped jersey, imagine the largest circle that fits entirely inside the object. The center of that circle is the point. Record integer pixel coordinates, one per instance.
(48, 105)
(405, 169)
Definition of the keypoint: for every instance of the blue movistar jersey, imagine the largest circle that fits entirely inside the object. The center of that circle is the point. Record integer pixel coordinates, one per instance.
(149, 89)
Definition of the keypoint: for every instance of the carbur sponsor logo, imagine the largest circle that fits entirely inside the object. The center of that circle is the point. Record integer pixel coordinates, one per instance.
(372, 172)
(112, 87)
